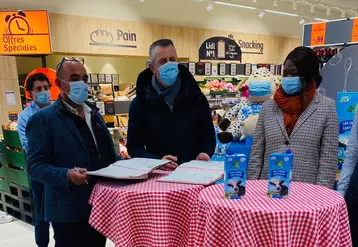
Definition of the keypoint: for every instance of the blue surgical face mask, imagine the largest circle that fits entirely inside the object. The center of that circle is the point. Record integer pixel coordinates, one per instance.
(78, 92)
(168, 73)
(260, 88)
(43, 98)
(291, 85)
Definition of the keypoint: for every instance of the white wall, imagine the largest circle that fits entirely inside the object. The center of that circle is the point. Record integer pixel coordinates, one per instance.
(176, 12)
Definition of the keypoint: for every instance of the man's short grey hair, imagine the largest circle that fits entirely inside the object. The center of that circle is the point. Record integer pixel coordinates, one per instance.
(162, 43)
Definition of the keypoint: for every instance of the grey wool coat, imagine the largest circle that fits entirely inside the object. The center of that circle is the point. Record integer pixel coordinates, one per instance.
(313, 142)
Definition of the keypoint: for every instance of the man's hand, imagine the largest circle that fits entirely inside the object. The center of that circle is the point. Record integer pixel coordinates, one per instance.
(203, 157)
(126, 157)
(171, 165)
(77, 177)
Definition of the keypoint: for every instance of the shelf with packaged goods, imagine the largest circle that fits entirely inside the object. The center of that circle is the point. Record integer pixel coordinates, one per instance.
(200, 78)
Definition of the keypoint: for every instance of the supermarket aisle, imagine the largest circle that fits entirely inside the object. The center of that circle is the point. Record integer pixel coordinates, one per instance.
(20, 234)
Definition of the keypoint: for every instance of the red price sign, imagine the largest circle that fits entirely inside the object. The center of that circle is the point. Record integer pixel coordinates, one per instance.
(318, 34)
(355, 31)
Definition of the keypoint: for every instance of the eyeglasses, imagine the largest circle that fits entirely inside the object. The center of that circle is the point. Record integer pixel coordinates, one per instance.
(73, 59)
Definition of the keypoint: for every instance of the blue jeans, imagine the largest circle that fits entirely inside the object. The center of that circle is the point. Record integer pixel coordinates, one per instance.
(41, 227)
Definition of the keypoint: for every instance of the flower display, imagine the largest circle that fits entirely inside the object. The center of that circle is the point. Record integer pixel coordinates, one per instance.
(244, 91)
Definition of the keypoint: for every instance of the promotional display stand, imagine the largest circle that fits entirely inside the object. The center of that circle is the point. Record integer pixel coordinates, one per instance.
(346, 108)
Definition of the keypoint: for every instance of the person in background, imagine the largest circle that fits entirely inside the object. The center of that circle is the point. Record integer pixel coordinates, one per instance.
(348, 183)
(301, 120)
(38, 86)
(108, 119)
(64, 141)
(170, 117)
(99, 96)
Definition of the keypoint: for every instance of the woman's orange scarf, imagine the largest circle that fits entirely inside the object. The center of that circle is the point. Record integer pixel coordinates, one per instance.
(292, 106)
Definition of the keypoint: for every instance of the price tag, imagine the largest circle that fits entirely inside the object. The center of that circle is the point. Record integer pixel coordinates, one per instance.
(355, 30)
(218, 96)
(318, 34)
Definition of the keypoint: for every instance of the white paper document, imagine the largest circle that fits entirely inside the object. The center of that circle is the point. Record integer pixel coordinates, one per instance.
(196, 172)
(137, 168)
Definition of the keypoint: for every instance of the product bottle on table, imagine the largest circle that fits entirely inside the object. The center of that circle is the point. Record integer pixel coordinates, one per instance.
(280, 175)
(235, 176)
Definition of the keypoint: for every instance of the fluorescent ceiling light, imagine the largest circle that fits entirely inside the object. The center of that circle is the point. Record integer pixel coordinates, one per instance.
(294, 5)
(210, 7)
(319, 19)
(261, 14)
(328, 11)
(235, 5)
(280, 13)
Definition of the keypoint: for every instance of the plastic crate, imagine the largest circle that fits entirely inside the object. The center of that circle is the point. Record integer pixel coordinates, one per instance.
(4, 186)
(2, 154)
(3, 171)
(11, 138)
(15, 158)
(3, 159)
(18, 176)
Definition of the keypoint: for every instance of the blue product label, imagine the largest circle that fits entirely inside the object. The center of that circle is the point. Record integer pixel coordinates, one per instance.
(252, 109)
(280, 172)
(235, 176)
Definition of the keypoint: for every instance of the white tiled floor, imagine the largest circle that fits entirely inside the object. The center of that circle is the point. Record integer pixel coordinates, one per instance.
(20, 234)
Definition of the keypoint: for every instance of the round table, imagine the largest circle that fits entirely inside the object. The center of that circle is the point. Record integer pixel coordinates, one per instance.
(312, 216)
(146, 213)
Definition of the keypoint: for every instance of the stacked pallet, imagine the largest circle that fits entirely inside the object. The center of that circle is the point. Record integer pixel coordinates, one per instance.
(15, 195)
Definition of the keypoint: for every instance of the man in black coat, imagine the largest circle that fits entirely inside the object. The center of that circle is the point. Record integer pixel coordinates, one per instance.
(170, 117)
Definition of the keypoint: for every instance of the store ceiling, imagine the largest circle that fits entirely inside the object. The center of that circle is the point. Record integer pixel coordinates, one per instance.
(194, 12)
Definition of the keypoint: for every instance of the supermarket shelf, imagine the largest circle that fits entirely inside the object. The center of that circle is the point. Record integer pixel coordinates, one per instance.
(203, 77)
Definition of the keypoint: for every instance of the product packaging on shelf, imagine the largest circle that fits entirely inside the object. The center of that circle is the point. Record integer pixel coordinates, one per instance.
(235, 176)
(280, 175)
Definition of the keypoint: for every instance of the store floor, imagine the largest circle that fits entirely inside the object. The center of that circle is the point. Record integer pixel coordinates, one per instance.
(20, 234)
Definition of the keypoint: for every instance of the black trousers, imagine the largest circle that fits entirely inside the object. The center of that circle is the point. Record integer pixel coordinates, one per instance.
(79, 234)
(352, 207)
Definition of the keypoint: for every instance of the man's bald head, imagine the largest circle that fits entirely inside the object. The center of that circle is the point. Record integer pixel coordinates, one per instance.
(69, 68)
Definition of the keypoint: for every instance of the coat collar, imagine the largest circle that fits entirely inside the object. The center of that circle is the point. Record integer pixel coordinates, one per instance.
(64, 114)
(311, 108)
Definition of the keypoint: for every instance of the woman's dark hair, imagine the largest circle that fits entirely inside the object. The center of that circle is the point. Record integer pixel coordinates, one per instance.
(307, 64)
(36, 77)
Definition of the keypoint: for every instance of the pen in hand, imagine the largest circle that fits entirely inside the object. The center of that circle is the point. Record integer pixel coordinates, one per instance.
(77, 170)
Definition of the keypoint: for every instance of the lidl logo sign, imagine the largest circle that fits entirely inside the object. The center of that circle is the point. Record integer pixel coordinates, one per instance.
(24, 33)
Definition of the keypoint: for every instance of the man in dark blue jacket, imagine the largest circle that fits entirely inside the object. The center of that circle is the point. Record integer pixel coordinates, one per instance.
(170, 117)
(64, 141)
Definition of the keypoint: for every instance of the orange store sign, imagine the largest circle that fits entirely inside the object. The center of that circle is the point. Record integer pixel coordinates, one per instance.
(24, 33)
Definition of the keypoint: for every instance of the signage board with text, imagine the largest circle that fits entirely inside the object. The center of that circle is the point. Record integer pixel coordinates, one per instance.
(220, 48)
(24, 33)
(336, 32)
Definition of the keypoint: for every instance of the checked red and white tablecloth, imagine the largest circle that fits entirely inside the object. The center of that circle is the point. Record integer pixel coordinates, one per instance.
(144, 214)
(313, 216)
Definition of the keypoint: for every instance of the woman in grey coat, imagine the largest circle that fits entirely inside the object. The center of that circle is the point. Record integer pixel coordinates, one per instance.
(301, 120)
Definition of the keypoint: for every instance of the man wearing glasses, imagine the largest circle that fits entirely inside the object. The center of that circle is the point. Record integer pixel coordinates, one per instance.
(65, 140)
(38, 86)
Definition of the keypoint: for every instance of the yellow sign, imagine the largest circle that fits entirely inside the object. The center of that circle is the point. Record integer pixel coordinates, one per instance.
(318, 34)
(24, 33)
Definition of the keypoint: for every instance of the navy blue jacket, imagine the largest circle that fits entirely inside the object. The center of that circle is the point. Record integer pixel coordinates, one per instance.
(154, 130)
(55, 145)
